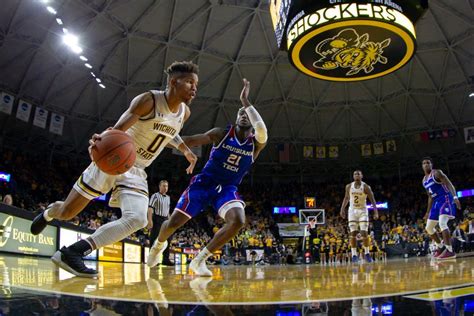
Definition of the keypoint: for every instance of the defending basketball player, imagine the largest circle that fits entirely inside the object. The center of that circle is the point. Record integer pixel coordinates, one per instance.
(233, 152)
(357, 193)
(441, 199)
(153, 120)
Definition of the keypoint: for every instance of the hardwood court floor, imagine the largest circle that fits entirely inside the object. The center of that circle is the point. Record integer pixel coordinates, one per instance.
(240, 284)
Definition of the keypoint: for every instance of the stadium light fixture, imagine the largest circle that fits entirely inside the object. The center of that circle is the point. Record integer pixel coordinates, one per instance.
(51, 10)
(72, 41)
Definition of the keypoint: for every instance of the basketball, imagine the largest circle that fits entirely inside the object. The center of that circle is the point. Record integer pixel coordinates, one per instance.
(114, 153)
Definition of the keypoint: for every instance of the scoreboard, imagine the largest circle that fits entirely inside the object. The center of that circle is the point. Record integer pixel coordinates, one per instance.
(347, 40)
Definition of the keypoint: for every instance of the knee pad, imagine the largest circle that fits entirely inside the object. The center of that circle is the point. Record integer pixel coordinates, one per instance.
(364, 226)
(443, 222)
(431, 226)
(353, 226)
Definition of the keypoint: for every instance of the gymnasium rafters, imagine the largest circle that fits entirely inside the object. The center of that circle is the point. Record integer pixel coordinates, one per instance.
(129, 43)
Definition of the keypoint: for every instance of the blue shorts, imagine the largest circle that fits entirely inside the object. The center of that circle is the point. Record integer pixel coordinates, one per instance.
(443, 205)
(202, 192)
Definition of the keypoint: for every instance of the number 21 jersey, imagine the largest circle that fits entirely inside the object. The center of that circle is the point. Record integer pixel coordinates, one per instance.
(230, 160)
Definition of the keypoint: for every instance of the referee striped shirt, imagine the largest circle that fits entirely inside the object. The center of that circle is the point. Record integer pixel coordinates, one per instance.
(160, 204)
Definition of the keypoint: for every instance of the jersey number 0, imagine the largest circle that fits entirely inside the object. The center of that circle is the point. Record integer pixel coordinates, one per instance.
(156, 143)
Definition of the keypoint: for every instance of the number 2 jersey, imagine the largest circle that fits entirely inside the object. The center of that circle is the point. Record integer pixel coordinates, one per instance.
(358, 198)
(153, 132)
(230, 160)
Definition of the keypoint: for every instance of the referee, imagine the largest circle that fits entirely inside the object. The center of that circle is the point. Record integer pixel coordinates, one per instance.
(158, 212)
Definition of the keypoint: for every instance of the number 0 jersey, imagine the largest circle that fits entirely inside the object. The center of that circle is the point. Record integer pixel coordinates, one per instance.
(152, 133)
(230, 160)
(358, 197)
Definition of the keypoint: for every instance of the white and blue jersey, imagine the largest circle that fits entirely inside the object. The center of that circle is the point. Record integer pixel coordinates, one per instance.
(217, 183)
(443, 203)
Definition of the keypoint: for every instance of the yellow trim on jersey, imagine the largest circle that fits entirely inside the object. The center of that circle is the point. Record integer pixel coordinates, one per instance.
(124, 187)
(87, 188)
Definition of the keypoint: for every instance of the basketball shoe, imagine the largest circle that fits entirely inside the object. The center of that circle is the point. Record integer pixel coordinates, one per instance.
(155, 252)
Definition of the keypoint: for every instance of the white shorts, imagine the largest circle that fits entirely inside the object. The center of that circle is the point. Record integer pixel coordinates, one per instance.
(358, 215)
(93, 183)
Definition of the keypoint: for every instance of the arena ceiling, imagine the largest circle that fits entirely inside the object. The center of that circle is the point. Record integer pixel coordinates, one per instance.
(129, 43)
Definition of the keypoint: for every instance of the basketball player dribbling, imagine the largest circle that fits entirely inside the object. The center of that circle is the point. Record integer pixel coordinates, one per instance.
(441, 199)
(233, 153)
(357, 193)
(153, 120)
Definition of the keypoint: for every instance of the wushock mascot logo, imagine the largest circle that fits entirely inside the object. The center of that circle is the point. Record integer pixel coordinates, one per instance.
(350, 50)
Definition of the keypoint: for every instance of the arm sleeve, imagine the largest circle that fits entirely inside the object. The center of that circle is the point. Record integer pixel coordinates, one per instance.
(257, 122)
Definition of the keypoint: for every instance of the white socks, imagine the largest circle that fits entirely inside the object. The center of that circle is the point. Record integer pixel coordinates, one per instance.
(367, 250)
(46, 216)
(450, 248)
(354, 251)
(204, 254)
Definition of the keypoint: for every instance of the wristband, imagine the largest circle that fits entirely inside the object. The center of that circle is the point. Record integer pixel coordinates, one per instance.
(176, 141)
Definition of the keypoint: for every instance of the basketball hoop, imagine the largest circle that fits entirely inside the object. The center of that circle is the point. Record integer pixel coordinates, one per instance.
(312, 217)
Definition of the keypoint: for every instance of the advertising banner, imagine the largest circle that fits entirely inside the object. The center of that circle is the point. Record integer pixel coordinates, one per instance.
(15, 237)
(68, 236)
(291, 230)
(112, 252)
(133, 253)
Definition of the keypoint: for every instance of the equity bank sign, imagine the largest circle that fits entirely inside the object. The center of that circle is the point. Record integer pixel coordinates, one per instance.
(15, 237)
(350, 41)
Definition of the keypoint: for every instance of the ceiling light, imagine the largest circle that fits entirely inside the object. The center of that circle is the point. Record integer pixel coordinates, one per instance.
(102, 86)
(65, 31)
(72, 41)
(93, 74)
(88, 65)
(76, 49)
(59, 21)
(471, 95)
(84, 58)
(51, 10)
(98, 80)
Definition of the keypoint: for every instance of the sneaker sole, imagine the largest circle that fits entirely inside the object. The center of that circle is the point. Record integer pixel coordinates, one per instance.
(199, 274)
(153, 264)
(56, 258)
(447, 258)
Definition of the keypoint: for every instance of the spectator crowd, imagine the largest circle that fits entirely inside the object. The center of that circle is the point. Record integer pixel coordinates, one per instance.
(34, 184)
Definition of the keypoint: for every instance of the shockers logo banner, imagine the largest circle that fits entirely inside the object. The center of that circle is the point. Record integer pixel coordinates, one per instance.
(350, 40)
